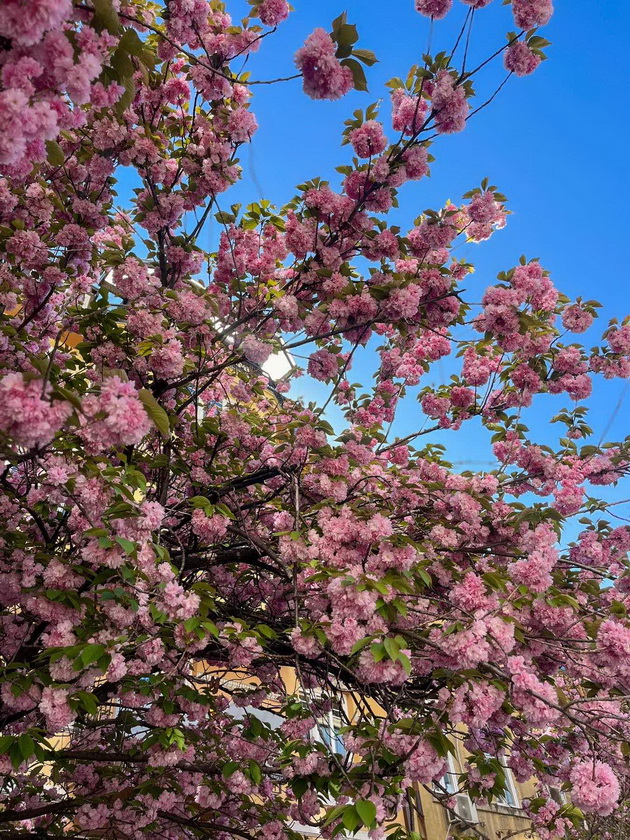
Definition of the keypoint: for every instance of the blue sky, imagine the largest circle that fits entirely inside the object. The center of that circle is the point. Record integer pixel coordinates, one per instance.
(554, 143)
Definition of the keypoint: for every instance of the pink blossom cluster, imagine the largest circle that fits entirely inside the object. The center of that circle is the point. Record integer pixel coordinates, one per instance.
(436, 9)
(273, 12)
(368, 139)
(531, 13)
(27, 413)
(323, 76)
(520, 59)
(125, 421)
(595, 788)
(450, 104)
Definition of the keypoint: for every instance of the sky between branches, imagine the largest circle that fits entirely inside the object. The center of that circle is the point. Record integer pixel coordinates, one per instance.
(554, 143)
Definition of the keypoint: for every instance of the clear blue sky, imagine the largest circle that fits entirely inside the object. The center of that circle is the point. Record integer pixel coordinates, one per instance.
(553, 142)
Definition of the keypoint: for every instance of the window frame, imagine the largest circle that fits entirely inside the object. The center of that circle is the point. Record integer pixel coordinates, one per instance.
(511, 788)
(450, 779)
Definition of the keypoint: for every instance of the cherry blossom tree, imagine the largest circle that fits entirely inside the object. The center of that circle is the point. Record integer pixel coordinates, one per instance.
(195, 566)
(613, 827)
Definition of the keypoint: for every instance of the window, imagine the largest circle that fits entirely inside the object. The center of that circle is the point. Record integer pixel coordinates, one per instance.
(449, 781)
(328, 732)
(558, 795)
(509, 798)
(239, 712)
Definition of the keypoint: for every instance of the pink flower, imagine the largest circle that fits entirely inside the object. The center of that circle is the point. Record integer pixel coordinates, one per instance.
(209, 529)
(324, 76)
(569, 498)
(323, 365)
(425, 765)
(613, 639)
(167, 360)
(436, 9)
(520, 59)
(450, 104)
(25, 24)
(92, 817)
(273, 12)
(595, 787)
(368, 139)
(25, 416)
(470, 594)
(535, 570)
(178, 603)
(484, 208)
(241, 125)
(408, 112)
(530, 13)
(126, 421)
(132, 279)
(619, 340)
(255, 351)
(473, 704)
(54, 706)
(304, 645)
(576, 318)
(435, 407)
(416, 162)
(536, 699)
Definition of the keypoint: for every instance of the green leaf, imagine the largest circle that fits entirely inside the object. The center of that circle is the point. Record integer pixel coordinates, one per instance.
(334, 814)
(229, 769)
(128, 96)
(212, 628)
(366, 56)
(6, 742)
(132, 43)
(202, 503)
(223, 509)
(127, 546)
(425, 577)
(15, 754)
(106, 15)
(156, 413)
(299, 786)
(255, 773)
(393, 651)
(366, 810)
(494, 581)
(122, 63)
(347, 35)
(358, 73)
(66, 394)
(90, 654)
(405, 662)
(88, 701)
(378, 651)
(357, 646)
(351, 820)
(26, 745)
(338, 22)
(54, 153)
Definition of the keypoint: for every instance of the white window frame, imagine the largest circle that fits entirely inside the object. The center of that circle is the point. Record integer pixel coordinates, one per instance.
(511, 788)
(450, 780)
(330, 722)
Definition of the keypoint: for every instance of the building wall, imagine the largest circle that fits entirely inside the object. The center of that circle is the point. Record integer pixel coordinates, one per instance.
(494, 820)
